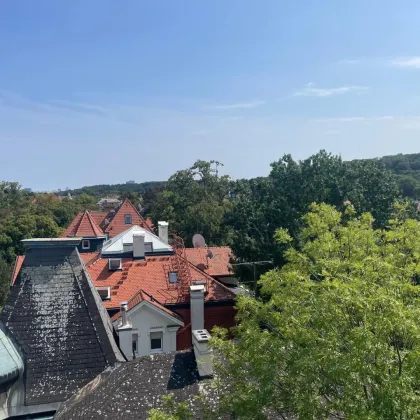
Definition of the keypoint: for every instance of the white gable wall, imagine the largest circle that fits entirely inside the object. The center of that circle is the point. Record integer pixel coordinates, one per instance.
(145, 319)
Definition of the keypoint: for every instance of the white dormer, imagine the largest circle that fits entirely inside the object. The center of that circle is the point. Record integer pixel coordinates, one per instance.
(123, 243)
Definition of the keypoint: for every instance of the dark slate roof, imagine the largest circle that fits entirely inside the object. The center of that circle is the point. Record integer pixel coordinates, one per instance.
(56, 316)
(133, 388)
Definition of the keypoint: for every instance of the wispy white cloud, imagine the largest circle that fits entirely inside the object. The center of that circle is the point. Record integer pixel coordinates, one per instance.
(311, 90)
(406, 62)
(238, 105)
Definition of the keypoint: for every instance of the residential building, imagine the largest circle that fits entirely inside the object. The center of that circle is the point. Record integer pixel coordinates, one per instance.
(55, 334)
(109, 203)
(132, 389)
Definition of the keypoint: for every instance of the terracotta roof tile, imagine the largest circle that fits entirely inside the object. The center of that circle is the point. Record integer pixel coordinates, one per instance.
(118, 225)
(83, 225)
(150, 276)
(218, 265)
(141, 296)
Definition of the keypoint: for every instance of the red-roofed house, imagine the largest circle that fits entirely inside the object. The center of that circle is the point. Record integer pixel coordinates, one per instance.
(85, 226)
(126, 216)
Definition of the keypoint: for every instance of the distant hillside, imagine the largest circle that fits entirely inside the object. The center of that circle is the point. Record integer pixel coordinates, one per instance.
(407, 169)
(116, 189)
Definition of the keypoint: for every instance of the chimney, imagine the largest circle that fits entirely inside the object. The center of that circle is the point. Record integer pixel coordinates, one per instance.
(197, 306)
(163, 231)
(125, 333)
(138, 245)
(203, 353)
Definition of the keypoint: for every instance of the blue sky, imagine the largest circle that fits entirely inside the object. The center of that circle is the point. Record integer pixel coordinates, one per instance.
(104, 91)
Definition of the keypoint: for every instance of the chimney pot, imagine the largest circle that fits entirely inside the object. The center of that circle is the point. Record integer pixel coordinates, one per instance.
(163, 231)
(124, 319)
(197, 306)
(138, 245)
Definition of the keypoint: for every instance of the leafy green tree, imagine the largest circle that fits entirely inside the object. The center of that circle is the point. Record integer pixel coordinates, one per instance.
(14, 229)
(5, 276)
(195, 200)
(263, 205)
(337, 335)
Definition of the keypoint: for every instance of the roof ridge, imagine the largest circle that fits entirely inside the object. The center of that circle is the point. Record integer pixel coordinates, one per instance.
(96, 229)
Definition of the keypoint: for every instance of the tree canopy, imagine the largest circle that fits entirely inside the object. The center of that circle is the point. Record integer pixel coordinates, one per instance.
(336, 332)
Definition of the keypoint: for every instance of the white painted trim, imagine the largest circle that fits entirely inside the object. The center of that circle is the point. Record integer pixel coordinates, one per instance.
(83, 244)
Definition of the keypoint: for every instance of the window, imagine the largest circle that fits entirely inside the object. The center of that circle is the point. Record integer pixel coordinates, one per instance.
(156, 342)
(135, 339)
(173, 277)
(127, 219)
(114, 263)
(148, 247)
(85, 244)
(104, 292)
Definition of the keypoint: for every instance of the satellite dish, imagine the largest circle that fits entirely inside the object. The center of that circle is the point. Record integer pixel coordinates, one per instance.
(198, 241)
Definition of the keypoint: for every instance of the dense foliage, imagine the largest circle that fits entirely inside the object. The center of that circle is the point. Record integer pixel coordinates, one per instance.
(337, 334)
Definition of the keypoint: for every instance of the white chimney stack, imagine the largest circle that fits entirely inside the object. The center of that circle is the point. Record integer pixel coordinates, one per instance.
(125, 333)
(197, 306)
(138, 245)
(203, 353)
(163, 231)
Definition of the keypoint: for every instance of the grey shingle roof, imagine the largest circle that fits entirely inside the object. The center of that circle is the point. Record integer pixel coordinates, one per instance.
(129, 391)
(55, 314)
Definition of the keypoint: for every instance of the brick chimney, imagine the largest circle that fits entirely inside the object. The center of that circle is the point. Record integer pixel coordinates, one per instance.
(163, 231)
(138, 245)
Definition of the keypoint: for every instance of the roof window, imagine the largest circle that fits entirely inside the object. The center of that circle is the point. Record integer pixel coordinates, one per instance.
(114, 263)
(173, 277)
(104, 292)
(127, 219)
(85, 244)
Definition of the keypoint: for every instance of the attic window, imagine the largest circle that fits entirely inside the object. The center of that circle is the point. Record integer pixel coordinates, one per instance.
(104, 292)
(85, 244)
(173, 277)
(127, 219)
(148, 247)
(114, 263)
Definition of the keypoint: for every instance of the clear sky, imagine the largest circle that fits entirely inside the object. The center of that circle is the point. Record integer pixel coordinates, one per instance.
(105, 91)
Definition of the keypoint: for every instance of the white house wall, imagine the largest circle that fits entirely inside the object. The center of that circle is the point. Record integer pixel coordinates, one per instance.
(145, 319)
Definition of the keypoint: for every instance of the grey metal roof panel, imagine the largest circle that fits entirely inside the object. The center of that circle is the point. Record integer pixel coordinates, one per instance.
(11, 363)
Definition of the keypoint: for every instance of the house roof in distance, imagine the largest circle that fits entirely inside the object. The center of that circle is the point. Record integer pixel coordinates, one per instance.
(56, 316)
(131, 390)
(84, 225)
(118, 225)
(214, 263)
(123, 242)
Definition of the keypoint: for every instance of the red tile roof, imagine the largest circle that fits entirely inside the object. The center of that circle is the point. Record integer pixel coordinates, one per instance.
(99, 218)
(118, 225)
(141, 296)
(217, 265)
(149, 275)
(83, 225)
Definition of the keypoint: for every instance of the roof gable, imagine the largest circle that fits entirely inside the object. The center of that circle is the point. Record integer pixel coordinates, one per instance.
(83, 225)
(118, 225)
(142, 299)
(123, 242)
(55, 314)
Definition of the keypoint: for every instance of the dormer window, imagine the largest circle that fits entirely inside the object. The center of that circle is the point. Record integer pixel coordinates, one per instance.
(127, 219)
(104, 292)
(114, 264)
(85, 244)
